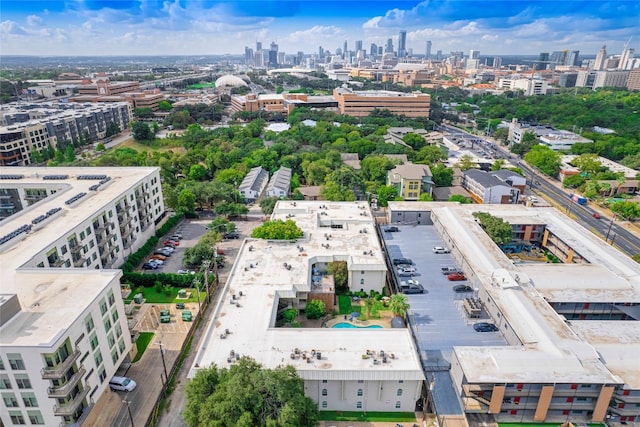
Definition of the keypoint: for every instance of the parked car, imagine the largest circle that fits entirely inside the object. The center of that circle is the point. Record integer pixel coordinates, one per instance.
(176, 236)
(406, 273)
(391, 229)
(456, 277)
(407, 268)
(398, 261)
(485, 327)
(155, 261)
(407, 288)
(449, 270)
(162, 251)
(122, 383)
(169, 249)
(441, 250)
(462, 289)
(413, 282)
(596, 215)
(158, 257)
(171, 242)
(149, 266)
(231, 235)
(180, 305)
(181, 271)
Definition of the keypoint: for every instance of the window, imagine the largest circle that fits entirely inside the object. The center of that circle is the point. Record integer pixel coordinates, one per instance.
(88, 231)
(103, 307)
(88, 322)
(115, 315)
(102, 375)
(23, 381)
(118, 330)
(121, 346)
(359, 392)
(107, 324)
(111, 298)
(15, 361)
(362, 281)
(97, 357)
(29, 400)
(397, 404)
(93, 341)
(114, 356)
(10, 400)
(400, 381)
(324, 381)
(16, 417)
(324, 391)
(360, 381)
(324, 404)
(63, 249)
(91, 244)
(35, 417)
(359, 405)
(399, 392)
(82, 235)
(111, 340)
(1, 364)
(5, 383)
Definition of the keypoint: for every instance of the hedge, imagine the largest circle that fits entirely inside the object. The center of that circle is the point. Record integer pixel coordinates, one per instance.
(171, 222)
(148, 280)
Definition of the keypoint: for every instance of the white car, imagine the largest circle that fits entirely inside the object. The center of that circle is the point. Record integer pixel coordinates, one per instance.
(156, 261)
(186, 272)
(413, 282)
(441, 250)
(169, 249)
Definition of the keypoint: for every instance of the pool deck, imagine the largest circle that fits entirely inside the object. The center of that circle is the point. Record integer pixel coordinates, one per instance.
(384, 321)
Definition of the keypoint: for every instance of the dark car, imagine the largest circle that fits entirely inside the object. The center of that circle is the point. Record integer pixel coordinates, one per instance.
(231, 235)
(399, 261)
(392, 229)
(485, 327)
(180, 305)
(462, 288)
(149, 266)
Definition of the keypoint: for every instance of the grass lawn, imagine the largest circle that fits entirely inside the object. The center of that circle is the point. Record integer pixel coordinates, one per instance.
(368, 416)
(160, 145)
(142, 343)
(345, 307)
(153, 297)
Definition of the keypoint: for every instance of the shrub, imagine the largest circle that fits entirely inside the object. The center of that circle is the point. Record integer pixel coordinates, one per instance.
(315, 309)
(290, 315)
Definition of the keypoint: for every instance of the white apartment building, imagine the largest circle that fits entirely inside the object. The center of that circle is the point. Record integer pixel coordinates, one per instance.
(28, 127)
(611, 78)
(356, 369)
(528, 86)
(63, 328)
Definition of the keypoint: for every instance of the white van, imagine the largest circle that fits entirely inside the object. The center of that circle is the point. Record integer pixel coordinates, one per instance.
(122, 384)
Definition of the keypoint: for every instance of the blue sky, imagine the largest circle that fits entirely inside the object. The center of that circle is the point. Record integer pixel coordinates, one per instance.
(200, 27)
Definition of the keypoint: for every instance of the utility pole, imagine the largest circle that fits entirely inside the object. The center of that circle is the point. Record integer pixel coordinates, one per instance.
(129, 411)
(164, 365)
(606, 239)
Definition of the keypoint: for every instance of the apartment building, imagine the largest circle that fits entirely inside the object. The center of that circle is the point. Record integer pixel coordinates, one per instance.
(570, 329)
(26, 128)
(503, 186)
(356, 369)
(411, 180)
(528, 86)
(362, 103)
(280, 183)
(63, 327)
(254, 183)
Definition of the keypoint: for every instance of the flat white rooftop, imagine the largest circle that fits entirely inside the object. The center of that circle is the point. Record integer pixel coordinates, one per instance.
(260, 274)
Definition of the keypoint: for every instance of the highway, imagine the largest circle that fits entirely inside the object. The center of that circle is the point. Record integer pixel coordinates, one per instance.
(606, 226)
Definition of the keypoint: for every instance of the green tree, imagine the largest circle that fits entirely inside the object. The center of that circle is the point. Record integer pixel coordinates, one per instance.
(222, 225)
(268, 204)
(164, 105)
(399, 304)
(441, 175)
(340, 273)
(247, 394)
(385, 194)
(545, 159)
(498, 164)
(627, 210)
(431, 154)
(231, 209)
(336, 193)
(112, 129)
(369, 304)
(198, 172)
(459, 198)
(143, 113)
(59, 156)
(528, 141)
(36, 157)
(278, 230)
(588, 163)
(425, 197)
(414, 141)
(374, 168)
(315, 309)
(141, 131)
(497, 228)
(466, 162)
(574, 181)
(69, 154)
(186, 201)
(100, 147)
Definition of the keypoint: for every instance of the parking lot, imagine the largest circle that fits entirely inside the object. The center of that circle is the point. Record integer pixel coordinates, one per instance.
(439, 319)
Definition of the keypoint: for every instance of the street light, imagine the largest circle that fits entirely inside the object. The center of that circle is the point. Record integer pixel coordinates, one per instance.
(606, 239)
(196, 284)
(129, 410)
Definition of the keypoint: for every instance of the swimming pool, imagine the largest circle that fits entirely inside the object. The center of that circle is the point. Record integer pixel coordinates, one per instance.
(344, 325)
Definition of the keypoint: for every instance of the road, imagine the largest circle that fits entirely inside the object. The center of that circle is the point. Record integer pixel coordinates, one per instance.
(606, 226)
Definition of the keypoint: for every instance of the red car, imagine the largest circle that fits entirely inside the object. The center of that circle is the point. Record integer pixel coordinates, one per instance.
(171, 243)
(456, 277)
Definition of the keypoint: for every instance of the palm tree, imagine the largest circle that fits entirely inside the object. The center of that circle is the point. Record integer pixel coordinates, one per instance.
(369, 303)
(398, 304)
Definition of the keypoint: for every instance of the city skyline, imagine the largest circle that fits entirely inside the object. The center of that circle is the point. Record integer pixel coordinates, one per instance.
(212, 27)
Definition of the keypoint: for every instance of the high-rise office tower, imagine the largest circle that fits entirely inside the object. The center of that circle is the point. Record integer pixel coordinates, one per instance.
(474, 54)
(358, 45)
(627, 54)
(601, 58)
(558, 57)
(402, 44)
(497, 62)
(573, 58)
(428, 52)
(320, 51)
(344, 49)
(258, 46)
(374, 49)
(273, 55)
(438, 55)
(543, 59)
(380, 50)
(389, 47)
(248, 55)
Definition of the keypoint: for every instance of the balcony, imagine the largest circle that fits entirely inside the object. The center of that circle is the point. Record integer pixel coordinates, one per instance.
(66, 389)
(72, 407)
(75, 248)
(58, 262)
(79, 263)
(62, 368)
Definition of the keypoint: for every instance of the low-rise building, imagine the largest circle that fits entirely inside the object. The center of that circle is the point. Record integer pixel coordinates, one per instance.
(411, 180)
(254, 183)
(502, 187)
(361, 103)
(63, 328)
(356, 369)
(280, 183)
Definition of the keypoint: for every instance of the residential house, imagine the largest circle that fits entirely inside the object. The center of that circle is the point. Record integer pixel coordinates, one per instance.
(254, 183)
(280, 183)
(492, 188)
(411, 180)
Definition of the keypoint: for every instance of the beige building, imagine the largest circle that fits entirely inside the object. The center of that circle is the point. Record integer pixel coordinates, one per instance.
(411, 180)
(362, 103)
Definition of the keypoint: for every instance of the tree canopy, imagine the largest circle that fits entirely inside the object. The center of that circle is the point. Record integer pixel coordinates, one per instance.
(278, 230)
(545, 159)
(247, 395)
(497, 228)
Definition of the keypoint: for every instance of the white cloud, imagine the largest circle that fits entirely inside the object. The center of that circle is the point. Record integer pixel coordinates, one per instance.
(34, 20)
(314, 33)
(489, 37)
(11, 28)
